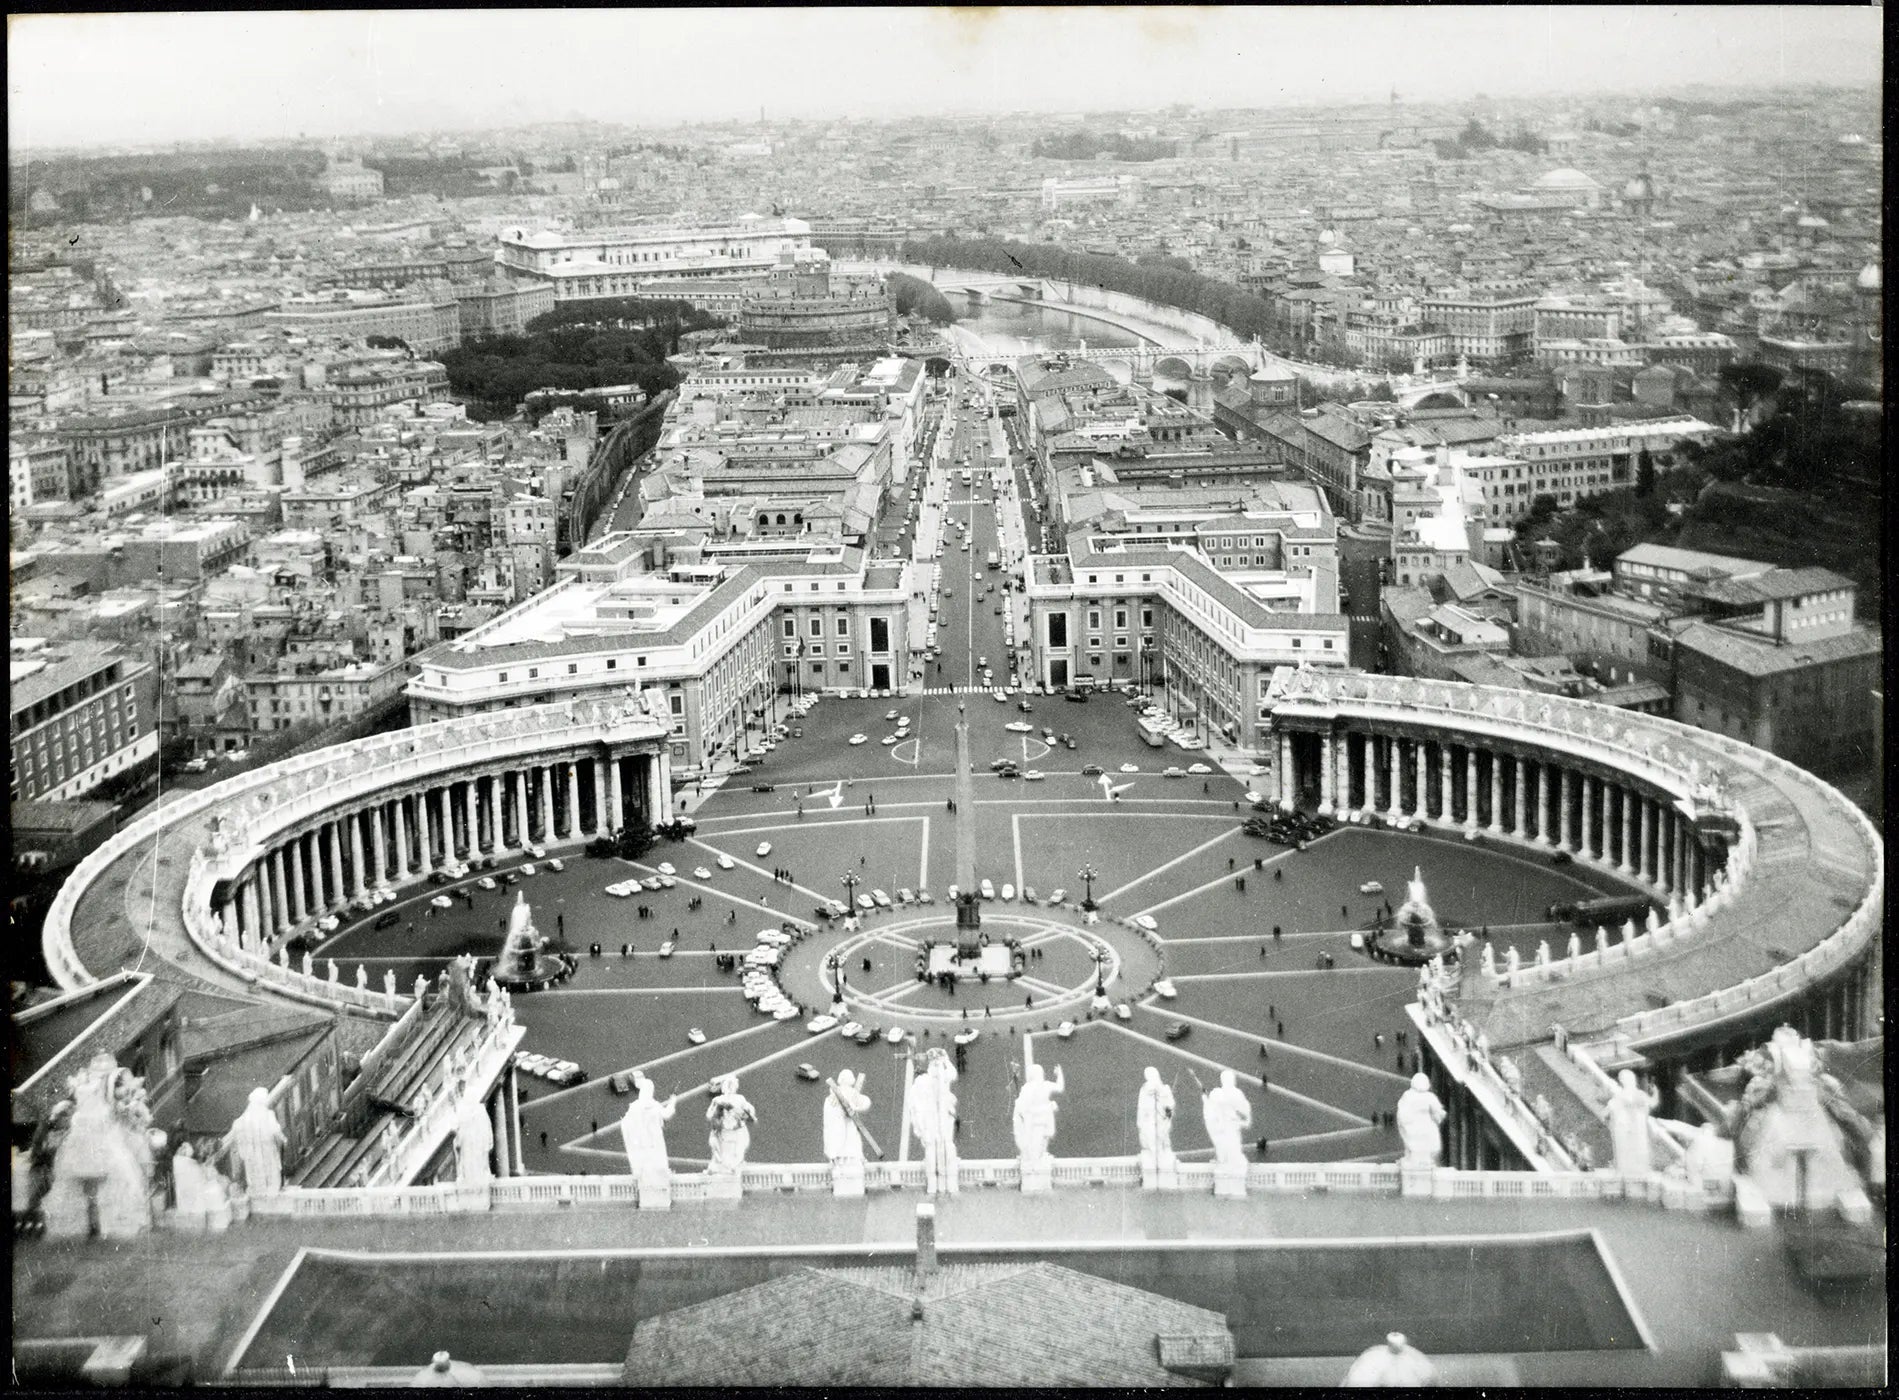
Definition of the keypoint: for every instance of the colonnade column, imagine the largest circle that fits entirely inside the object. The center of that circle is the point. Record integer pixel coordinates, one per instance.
(273, 892)
(520, 809)
(1326, 759)
(378, 846)
(424, 847)
(1447, 812)
(601, 826)
(546, 774)
(1645, 838)
(1522, 825)
(1423, 803)
(471, 818)
(338, 892)
(447, 820)
(573, 802)
(1395, 760)
(1470, 788)
(1285, 773)
(354, 819)
(253, 921)
(399, 816)
(1368, 774)
(504, 1154)
(616, 793)
(1629, 862)
(295, 881)
(497, 827)
(1496, 793)
(1586, 843)
(1566, 826)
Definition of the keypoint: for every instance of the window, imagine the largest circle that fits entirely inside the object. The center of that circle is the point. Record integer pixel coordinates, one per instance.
(791, 624)
(843, 627)
(817, 627)
(1094, 619)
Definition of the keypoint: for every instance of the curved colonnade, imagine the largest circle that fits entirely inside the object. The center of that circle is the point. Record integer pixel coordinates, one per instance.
(221, 880)
(1773, 880)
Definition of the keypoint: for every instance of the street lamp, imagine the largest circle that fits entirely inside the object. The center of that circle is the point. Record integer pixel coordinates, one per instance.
(1100, 957)
(1088, 875)
(851, 880)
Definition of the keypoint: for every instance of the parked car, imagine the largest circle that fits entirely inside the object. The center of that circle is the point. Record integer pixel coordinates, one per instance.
(696, 1036)
(1177, 1030)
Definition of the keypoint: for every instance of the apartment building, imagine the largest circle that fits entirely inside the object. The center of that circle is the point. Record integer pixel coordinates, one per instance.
(81, 713)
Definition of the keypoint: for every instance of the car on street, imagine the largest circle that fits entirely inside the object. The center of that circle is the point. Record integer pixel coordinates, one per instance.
(1010, 772)
(1177, 1030)
(666, 949)
(880, 899)
(966, 1037)
(1174, 773)
(1130, 768)
(1091, 770)
(986, 890)
(1199, 768)
(807, 1070)
(699, 872)
(651, 884)
(1034, 775)
(665, 867)
(1371, 887)
(486, 882)
(891, 716)
(1065, 1029)
(818, 1025)
(894, 1035)
(865, 903)
(1020, 727)
(787, 1012)
(696, 1036)
(850, 1030)
(529, 868)
(1123, 1012)
(1058, 896)
(888, 740)
(724, 861)
(857, 739)
(1166, 989)
(1145, 921)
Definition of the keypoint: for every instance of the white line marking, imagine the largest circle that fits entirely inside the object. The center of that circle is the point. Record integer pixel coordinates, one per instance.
(1288, 1046)
(1184, 856)
(648, 1064)
(1269, 1088)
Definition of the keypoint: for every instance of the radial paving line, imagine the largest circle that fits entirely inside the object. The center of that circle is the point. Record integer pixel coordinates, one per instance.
(1266, 1086)
(552, 992)
(1277, 1045)
(645, 1065)
(1183, 856)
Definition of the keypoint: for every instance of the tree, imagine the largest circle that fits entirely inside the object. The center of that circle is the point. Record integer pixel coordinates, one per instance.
(1644, 473)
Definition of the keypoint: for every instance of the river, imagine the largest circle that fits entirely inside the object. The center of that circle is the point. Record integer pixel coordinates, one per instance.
(1016, 328)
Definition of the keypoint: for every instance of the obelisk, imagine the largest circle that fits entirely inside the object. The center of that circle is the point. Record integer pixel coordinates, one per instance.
(968, 908)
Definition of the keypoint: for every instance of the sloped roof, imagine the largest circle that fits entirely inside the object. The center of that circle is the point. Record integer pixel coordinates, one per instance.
(1012, 1325)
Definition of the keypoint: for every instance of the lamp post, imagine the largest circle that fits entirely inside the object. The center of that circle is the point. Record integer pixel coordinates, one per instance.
(1100, 958)
(1088, 875)
(835, 962)
(851, 880)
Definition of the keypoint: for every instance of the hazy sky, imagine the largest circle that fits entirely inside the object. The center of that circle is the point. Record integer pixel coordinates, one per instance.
(85, 79)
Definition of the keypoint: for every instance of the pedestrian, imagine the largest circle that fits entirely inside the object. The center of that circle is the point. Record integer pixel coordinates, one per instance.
(1259, 862)
(1280, 1027)
(1378, 1039)
(1229, 862)
(1275, 933)
(1262, 1050)
(1279, 874)
(1262, 950)
(1236, 804)
(543, 1137)
(1206, 787)
(1241, 882)
(1345, 911)
(595, 1125)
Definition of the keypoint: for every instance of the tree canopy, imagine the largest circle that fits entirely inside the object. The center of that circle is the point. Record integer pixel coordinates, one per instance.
(913, 294)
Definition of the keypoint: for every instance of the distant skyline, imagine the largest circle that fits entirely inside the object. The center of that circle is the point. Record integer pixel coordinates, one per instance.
(145, 78)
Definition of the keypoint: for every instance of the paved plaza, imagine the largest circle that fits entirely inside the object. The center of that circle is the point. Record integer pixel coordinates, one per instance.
(1266, 979)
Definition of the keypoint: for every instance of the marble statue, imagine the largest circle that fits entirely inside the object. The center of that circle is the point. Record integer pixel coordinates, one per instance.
(474, 1140)
(643, 1131)
(1575, 944)
(309, 963)
(362, 978)
(843, 1137)
(332, 963)
(1629, 1107)
(1543, 952)
(1035, 1113)
(1793, 1111)
(1508, 1072)
(1602, 941)
(1420, 1116)
(202, 1195)
(1628, 931)
(1154, 1121)
(731, 1115)
(1541, 1110)
(389, 982)
(257, 1146)
(444, 1371)
(1393, 1364)
(933, 1120)
(102, 1166)
(1490, 961)
(1227, 1115)
(1512, 963)
(421, 986)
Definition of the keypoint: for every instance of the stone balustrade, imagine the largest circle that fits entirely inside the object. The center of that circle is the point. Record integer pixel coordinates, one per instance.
(806, 1179)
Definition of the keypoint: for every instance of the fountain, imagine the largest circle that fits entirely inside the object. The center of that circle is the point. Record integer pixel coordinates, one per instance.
(526, 964)
(1414, 935)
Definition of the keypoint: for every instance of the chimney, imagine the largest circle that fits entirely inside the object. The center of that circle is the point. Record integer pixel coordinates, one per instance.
(926, 1242)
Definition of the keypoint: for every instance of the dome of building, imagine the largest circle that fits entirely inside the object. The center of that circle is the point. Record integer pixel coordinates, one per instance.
(1870, 278)
(1565, 179)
